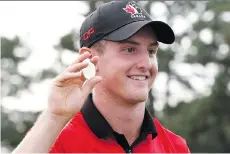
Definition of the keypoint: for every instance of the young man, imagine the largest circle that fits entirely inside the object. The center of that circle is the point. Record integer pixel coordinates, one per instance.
(122, 41)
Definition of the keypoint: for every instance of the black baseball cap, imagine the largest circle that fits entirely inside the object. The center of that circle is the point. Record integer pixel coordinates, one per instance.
(119, 20)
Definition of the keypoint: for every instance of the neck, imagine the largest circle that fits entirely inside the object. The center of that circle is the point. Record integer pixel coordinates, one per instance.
(121, 115)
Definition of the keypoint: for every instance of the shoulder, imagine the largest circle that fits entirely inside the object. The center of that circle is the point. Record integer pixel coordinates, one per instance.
(177, 142)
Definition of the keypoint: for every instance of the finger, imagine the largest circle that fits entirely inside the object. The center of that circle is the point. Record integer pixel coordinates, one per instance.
(82, 57)
(77, 67)
(68, 75)
(88, 86)
(95, 60)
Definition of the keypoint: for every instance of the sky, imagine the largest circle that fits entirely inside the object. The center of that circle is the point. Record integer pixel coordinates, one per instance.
(31, 20)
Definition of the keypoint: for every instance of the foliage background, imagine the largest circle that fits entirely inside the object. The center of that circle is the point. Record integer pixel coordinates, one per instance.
(191, 96)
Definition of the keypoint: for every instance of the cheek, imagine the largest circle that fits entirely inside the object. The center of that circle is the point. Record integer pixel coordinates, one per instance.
(155, 63)
(110, 68)
(113, 74)
(154, 69)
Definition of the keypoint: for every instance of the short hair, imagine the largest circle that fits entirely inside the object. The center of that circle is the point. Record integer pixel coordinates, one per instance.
(99, 46)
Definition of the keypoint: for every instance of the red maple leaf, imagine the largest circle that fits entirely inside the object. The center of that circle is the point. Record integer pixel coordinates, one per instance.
(129, 9)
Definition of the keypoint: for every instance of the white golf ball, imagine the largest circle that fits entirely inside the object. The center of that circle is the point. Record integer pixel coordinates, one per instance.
(90, 71)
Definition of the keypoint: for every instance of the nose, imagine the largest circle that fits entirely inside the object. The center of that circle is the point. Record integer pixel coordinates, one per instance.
(145, 62)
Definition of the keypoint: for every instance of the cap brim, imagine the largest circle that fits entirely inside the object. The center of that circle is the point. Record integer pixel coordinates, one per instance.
(163, 31)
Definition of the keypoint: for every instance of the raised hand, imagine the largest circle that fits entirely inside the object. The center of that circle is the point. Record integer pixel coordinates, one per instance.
(69, 90)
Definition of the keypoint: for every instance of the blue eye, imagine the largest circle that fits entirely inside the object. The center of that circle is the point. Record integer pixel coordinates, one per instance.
(129, 50)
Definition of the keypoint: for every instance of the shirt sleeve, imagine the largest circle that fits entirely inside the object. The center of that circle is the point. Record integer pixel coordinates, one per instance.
(184, 147)
(57, 147)
(181, 145)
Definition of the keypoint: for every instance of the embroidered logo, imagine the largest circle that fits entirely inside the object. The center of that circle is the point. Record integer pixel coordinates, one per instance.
(134, 10)
(87, 34)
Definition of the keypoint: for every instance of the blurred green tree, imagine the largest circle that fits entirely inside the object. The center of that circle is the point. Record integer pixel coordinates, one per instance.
(204, 121)
(14, 124)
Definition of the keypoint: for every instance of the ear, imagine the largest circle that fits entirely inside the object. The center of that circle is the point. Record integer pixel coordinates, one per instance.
(92, 53)
(85, 49)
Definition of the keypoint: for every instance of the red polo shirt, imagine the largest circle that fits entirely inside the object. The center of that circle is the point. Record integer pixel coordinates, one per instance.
(88, 132)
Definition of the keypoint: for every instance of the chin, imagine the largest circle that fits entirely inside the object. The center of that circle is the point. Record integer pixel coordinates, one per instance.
(137, 96)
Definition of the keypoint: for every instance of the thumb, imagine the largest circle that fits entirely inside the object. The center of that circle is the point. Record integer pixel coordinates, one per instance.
(88, 86)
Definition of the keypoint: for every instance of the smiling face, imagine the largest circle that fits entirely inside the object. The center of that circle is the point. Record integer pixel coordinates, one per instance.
(129, 67)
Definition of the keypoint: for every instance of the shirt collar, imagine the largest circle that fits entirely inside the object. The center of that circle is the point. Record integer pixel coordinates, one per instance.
(101, 128)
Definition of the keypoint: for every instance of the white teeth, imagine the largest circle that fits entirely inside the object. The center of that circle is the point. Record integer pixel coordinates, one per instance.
(138, 77)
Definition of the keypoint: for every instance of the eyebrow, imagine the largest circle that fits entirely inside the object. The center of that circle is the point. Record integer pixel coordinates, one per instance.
(136, 43)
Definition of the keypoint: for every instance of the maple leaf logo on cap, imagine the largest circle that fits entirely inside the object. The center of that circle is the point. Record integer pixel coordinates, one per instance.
(130, 9)
(134, 10)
